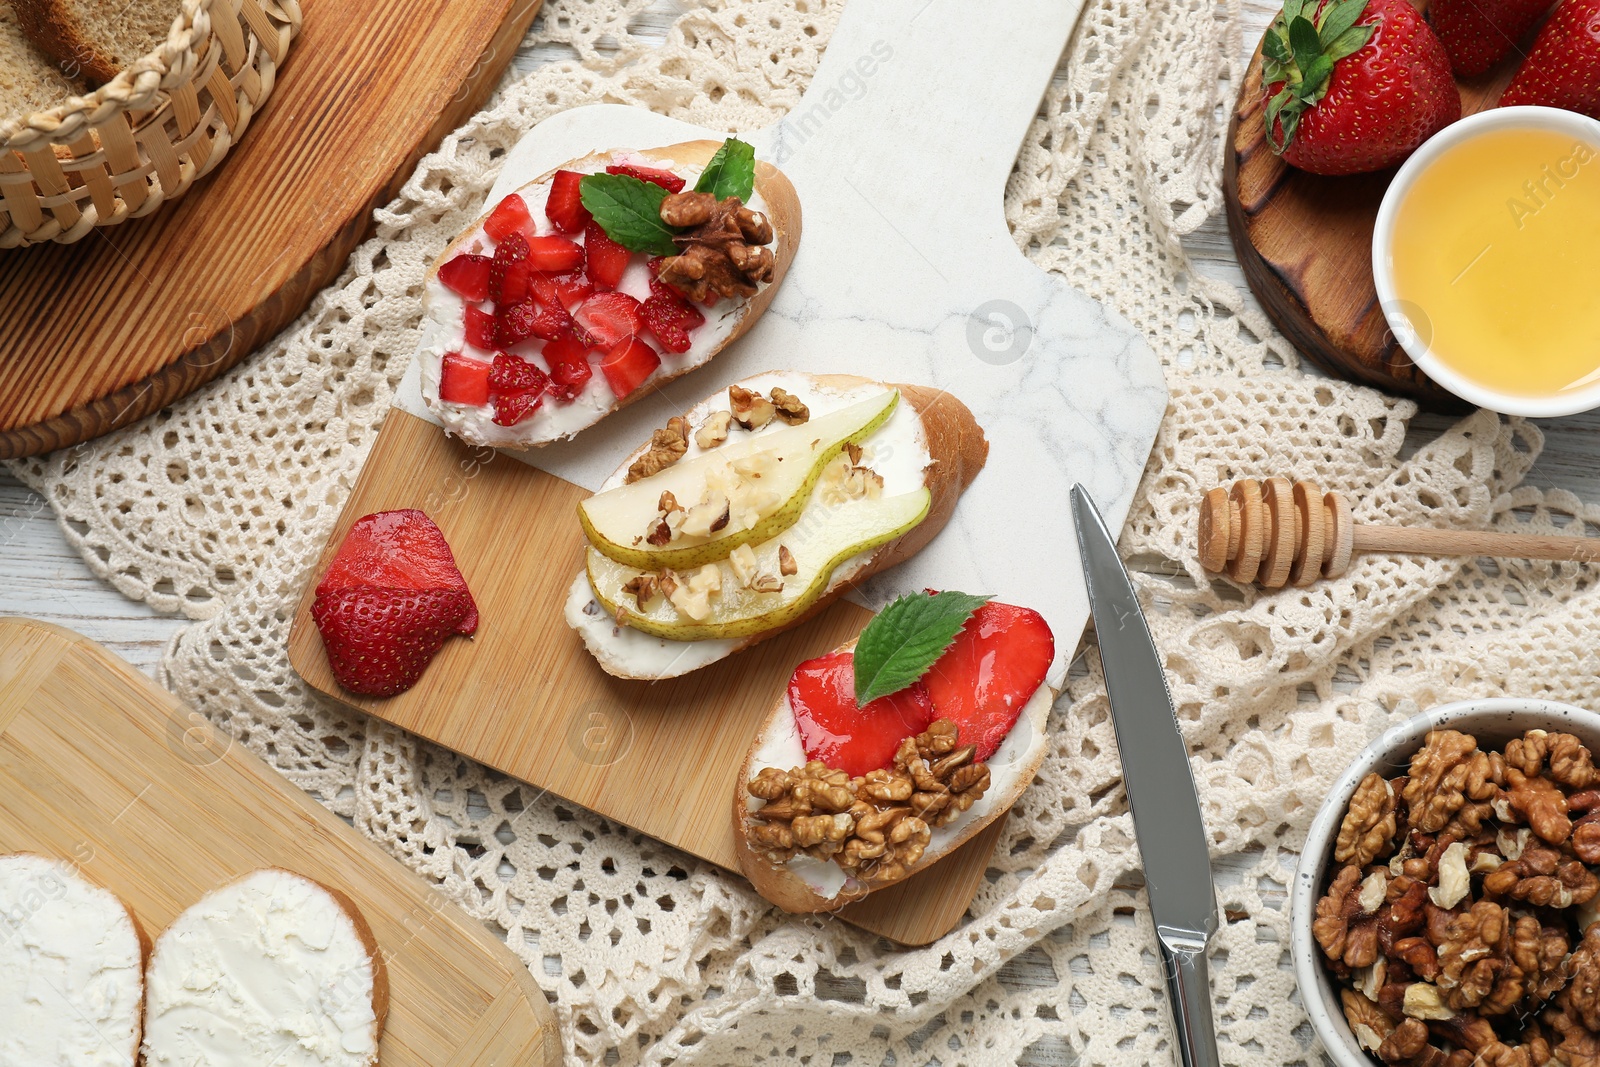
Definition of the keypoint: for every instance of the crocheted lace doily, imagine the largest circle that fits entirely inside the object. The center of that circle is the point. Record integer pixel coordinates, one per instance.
(216, 507)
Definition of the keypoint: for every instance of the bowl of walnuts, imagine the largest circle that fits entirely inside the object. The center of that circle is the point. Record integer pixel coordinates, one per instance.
(1445, 907)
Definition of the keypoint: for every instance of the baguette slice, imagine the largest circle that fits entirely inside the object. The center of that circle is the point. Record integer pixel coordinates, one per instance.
(96, 39)
(726, 321)
(809, 885)
(29, 81)
(270, 955)
(72, 960)
(936, 443)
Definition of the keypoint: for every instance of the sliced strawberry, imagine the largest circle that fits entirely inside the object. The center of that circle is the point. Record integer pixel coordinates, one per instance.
(664, 178)
(606, 261)
(561, 290)
(568, 359)
(513, 408)
(992, 670)
(380, 639)
(513, 376)
(609, 317)
(463, 380)
(565, 207)
(508, 273)
(840, 732)
(508, 217)
(466, 275)
(530, 319)
(401, 549)
(554, 254)
(627, 364)
(480, 328)
(662, 321)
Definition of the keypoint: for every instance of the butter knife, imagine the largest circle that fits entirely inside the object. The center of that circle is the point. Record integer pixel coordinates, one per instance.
(1160, 787)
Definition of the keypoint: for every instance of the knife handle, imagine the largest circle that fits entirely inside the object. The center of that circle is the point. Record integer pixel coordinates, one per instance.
(1189, 991)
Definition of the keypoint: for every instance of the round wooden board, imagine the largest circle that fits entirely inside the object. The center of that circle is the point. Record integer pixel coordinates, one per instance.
(97, 334)
(1305, 243)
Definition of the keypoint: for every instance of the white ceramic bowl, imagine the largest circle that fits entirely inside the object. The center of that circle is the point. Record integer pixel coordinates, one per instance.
(1414, 340)
(1493, 723)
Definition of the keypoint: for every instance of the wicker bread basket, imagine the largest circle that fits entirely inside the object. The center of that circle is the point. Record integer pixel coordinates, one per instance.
(144, 137)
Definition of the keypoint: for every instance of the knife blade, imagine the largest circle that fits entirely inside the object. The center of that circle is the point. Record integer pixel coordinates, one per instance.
(1161, 793)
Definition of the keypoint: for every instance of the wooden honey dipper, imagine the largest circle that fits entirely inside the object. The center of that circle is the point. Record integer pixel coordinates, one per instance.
(1276, 532)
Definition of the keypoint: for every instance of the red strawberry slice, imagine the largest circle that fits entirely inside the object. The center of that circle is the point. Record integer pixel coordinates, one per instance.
(530, 319)
(508, 273)
(554, 254)
(565, 206)
(480, 329)
(396, 549)
(568, 359)
(514, 407)
(380, 639)
(609, 318)
(463, 380)
(466, 275)
(840, 732)
(508, 217)
(1563, 66)
(661, 319)
(664, 178)
(992, 670)
(513, 375)
(627, 364)
(606, 260)
(567, 290)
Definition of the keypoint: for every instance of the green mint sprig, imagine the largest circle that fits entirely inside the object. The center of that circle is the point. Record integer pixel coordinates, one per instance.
(731, 172)
(908, 637)
(629, 209)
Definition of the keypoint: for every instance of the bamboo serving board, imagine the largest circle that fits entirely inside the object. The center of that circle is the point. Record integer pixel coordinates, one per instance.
(100, 767)
(1305, 243)
(100, 333)
(889, 281)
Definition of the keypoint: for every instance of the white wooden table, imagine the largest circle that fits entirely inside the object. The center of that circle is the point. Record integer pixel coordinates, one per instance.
(43, 577)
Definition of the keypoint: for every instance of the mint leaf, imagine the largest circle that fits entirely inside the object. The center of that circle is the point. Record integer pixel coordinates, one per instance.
(731, 172)
(904, 640)
(629, 210)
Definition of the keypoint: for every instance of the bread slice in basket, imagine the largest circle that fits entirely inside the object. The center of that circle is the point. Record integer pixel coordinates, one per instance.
(886, 463)
(72, 962)
(94, 38)
(29, 80)
(271, 964)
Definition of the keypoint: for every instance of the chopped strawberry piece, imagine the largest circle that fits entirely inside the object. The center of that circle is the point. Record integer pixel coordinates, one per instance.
(565, 206)
(606, 260)
(508, 273)
(991, 671)
(508, 217)
(661, 319)
(573, 286)
(513, 408)
(840, 732)
(664, 178)
(628, 363)
(480, 329)
(568, 377)
(530, 319)
(563, 350)
(467, 276)
(609, 317)
(513, 375)
(553, 254)
(463, 380)
(379, 639)
(401, 549)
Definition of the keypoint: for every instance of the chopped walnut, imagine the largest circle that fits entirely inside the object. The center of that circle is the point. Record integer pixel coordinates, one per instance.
(1407, 1046)
(1567, 759)
(1454, 879)
(1367, 1021)
(707, 517)
(788, 407)
(843, 479)
(1540, 803)
(786, 561)
(714, 430)
(644, 589)
(1543, 877)
(1580, 1000)
(667, 446)
(1368, 829)
(1424, 1001)
(1476, 965)
(1579, 1045)
(1348, 936)
(721, 252)
(692, 602)
(1446, 773)
(750, 410)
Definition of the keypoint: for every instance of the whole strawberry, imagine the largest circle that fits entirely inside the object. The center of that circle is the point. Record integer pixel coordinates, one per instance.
(1563, 67)
(1477, 34)
(1354, 85)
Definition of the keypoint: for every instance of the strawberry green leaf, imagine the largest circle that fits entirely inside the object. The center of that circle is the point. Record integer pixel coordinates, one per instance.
(906, 638)
(731, 172)
(629, 210)
(1349, 42)
(1275, 48)
(1337, 18)
(1303, 40)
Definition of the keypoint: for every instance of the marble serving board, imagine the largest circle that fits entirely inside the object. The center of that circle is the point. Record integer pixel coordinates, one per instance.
(906, 272)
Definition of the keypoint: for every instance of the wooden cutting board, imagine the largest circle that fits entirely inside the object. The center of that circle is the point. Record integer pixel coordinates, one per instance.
(100, 333)
(905, 273)
(1305, 243)
(100, 767)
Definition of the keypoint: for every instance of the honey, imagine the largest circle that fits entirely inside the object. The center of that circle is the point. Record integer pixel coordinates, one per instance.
(1495, 251)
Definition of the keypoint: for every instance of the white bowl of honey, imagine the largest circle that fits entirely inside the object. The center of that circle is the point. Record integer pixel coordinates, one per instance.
(1487, 260)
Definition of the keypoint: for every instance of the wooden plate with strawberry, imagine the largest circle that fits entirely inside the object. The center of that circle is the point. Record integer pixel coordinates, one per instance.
(1351, 91)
